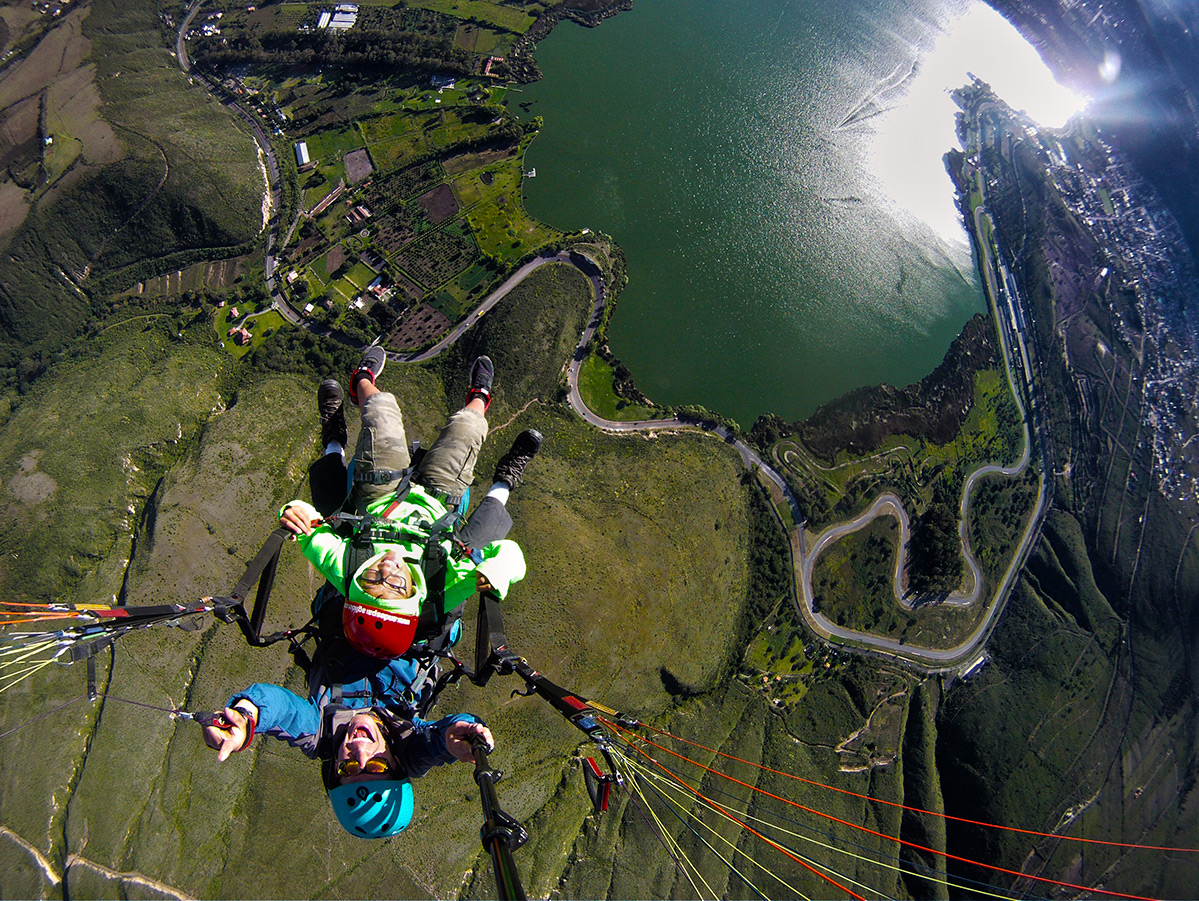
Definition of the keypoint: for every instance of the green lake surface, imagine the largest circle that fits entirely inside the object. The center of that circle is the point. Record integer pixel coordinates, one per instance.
(746, 155)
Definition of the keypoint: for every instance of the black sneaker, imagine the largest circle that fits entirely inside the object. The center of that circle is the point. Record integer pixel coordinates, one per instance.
(371, 368)
(511, 468)
(329, 401)
(482, 371)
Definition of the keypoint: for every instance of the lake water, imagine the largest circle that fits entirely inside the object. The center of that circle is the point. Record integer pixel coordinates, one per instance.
(772, 169)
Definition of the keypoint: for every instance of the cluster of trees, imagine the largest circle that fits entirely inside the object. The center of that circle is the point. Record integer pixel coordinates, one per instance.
(770, 575)
(388, 50)
(934, 552)
(402, 18)
(300, 351)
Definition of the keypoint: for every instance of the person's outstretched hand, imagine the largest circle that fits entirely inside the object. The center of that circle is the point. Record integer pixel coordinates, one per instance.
(458, 738)
(228, 732)
(298, 521)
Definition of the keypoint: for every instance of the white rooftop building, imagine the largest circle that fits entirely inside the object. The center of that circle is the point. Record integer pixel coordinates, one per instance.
(344, 17)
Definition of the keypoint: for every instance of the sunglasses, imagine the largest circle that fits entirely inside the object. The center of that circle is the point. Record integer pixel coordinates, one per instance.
(375, 766)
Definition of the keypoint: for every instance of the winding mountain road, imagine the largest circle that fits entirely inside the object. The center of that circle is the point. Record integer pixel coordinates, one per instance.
(962, 656)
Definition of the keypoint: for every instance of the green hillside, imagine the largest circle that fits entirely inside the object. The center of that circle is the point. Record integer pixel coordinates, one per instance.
(195, 465)
(142, 461)
(145, 172)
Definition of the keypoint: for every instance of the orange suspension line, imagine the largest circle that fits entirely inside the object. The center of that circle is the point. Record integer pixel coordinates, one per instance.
(931, 813)
(724, 812)
(909, 844)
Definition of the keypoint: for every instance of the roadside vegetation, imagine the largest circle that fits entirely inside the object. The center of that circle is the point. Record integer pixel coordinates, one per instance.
(854, 578)
(145, 462)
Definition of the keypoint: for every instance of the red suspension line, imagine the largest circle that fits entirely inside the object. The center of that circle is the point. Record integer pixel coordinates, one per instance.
(931, 813)
(906, 843)
(724, 812)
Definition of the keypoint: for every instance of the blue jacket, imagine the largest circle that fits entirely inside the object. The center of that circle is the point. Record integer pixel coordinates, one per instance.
(284, 715)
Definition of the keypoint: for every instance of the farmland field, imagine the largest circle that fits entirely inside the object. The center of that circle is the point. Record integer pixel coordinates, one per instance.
(507, 18)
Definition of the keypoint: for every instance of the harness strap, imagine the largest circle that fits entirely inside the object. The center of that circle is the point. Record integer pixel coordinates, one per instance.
(379, 476)
(266, 557)
(261, 570)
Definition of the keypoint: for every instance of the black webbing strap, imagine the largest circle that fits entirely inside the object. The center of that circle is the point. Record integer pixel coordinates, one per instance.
(260, 570)
(267, 556)
(492, 655)
(383, 476)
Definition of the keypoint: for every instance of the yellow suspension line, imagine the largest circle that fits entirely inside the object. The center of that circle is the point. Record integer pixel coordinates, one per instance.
(25, 674)
(636, 768)
(686, 811)
(883, 864)
(800, 858)
(809, 860)
(972, 890)
(21, 651)
(674, 848)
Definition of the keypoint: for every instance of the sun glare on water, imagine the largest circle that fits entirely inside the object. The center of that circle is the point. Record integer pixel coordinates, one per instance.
(918, 127)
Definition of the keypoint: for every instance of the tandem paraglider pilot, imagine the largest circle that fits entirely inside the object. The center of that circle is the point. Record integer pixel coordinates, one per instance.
(400, 579)
(369, 755)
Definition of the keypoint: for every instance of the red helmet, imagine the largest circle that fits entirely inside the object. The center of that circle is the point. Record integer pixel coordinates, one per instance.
(382, 626)
(377, 632)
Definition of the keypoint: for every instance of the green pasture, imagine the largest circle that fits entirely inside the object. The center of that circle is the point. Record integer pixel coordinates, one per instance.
(291, 15)
(320, 268)
(466, 37)
(333, 225)
(59, 157)
(260, 327)
(505, 178)
(333, 143)
(596, 388)
(489, 42)
(505, 17)
(382, 128)
(466, 291)
(344, 290)
(394, 153)
(505, 232)
(474, 277)
(451, 130)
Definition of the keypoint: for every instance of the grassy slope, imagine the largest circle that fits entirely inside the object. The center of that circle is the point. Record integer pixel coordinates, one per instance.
(1089, 703)
(117, 216)
(622, 551)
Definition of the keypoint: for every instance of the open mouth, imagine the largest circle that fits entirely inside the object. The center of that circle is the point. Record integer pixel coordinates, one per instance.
(362, 728)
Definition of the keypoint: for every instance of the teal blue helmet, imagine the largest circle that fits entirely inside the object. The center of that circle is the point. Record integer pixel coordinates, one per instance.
(373, 809)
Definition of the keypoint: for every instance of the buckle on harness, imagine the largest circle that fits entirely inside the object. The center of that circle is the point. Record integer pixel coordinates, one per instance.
(379, 476)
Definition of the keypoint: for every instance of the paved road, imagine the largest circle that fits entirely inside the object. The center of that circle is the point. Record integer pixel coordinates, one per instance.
(492, 299)
(181, 38)
(886, 504)
(272, 165)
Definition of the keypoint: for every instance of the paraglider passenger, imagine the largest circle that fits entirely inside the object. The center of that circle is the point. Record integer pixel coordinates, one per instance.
(408, 573)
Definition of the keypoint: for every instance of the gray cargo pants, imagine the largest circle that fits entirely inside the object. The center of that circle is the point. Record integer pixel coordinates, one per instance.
(448, 466)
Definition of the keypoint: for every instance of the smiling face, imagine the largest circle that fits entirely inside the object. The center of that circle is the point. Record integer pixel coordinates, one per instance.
(363, 748)
(388, 578)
